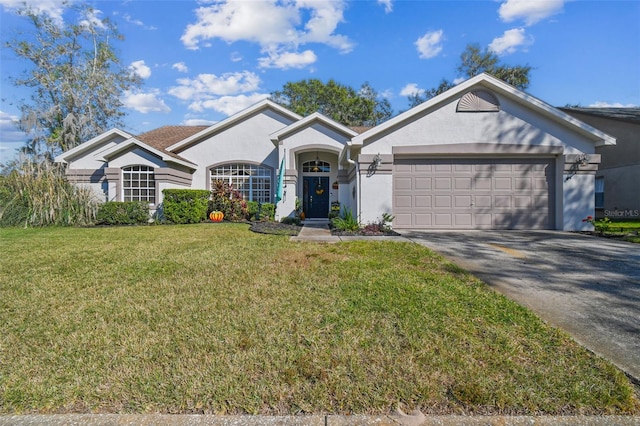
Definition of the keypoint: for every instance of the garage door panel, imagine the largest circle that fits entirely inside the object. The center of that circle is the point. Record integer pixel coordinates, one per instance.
(463, 220)
(462, 201)
(402, 183)
(502, 201)
(442, 183)
(443, 201)
(423, 220)
(482, 183)
(422, 183)
(502, 184)
(403, 220)
(423, 201)
(442, 219)
(474, 193)
(481, 201)
(403, 201)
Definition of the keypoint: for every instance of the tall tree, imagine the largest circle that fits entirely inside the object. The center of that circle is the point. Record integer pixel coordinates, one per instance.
(337, 101)
(76, 78)
(474, 61)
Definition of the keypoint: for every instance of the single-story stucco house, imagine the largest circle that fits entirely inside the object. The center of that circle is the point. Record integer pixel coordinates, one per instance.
(482, 155)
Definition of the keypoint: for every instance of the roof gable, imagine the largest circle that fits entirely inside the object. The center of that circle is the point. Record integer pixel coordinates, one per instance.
(233, 120)
(485, 81)
(310, 120)
(91, 143)
(165, 156)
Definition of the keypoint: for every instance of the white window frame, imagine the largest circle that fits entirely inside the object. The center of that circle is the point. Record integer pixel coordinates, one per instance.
(139, 184)
(253, 181)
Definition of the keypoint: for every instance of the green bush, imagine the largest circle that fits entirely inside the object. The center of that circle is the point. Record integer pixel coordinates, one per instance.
(123, 213)
(346, 221)
(267, 210)
(185, 205)
(291, 221)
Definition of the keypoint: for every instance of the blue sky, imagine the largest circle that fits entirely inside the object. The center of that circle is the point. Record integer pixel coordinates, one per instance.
(204, 60)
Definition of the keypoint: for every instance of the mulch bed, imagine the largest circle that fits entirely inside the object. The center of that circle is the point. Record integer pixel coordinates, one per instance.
(275, 228)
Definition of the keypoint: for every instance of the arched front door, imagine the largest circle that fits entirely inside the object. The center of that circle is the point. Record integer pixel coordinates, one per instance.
(315, 196)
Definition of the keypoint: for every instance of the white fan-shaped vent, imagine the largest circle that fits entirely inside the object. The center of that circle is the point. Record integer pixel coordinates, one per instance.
(478, 101)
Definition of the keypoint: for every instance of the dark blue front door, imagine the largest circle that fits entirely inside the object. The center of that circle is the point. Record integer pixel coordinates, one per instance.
(315, 197)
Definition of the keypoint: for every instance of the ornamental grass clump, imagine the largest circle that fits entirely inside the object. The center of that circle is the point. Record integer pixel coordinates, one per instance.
(346, 221)
(39, 194)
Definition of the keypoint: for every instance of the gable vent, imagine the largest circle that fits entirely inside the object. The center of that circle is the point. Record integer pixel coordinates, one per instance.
(478, 101)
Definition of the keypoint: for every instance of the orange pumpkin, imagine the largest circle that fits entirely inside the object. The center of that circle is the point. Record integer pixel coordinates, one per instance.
(216, 216)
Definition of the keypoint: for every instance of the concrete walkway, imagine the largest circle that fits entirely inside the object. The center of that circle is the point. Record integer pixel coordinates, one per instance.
(318, 230)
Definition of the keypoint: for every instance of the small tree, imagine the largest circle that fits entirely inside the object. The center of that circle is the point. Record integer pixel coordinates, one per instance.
(337, 101)
(474, 61)
(76, 78)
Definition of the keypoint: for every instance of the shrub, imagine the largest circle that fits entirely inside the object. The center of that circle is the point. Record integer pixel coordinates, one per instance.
(123, 213)
(185, 205)
(267, 210)
(380, 227)
(39, 194)
(346, 221)
(291, 221)
(227, 200)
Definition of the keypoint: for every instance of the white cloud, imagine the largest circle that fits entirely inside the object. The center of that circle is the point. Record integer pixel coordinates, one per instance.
(430, 44)
(601, 104)
(180, 66)
(139, 68)
(54, 8)
(528, 10)
(137, 22)
(276, 27)
(388, 5)
(145, 102)
(207, 86)
(228, 104)
(411, 89)
(510, 41)
(288, 60)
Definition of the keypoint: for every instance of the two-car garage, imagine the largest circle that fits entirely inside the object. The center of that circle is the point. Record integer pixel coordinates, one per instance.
(474, 193)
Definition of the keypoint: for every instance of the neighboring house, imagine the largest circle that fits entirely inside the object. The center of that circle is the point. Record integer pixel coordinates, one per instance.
(617, 194)
(483, 155)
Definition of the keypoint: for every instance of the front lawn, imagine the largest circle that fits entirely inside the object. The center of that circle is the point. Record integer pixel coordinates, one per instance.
(213, 318)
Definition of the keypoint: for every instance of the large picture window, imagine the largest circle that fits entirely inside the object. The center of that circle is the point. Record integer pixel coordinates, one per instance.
(253, 182)
(139, 184)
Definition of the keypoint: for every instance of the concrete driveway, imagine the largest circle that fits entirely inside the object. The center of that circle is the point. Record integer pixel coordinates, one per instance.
(588, 286)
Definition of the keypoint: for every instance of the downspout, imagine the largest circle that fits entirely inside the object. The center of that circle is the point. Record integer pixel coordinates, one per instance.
(355, 163)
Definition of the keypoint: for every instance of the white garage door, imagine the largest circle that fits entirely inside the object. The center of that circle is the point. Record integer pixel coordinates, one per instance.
(473, 193)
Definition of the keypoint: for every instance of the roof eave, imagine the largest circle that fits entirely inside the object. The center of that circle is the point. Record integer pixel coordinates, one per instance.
(85, 146)
(134, 142)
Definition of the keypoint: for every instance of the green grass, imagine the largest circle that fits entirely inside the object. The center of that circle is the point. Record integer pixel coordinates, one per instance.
(217, 319)
(628, 229)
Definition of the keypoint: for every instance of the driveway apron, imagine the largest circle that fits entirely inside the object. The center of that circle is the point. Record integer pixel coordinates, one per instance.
(588, 286)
